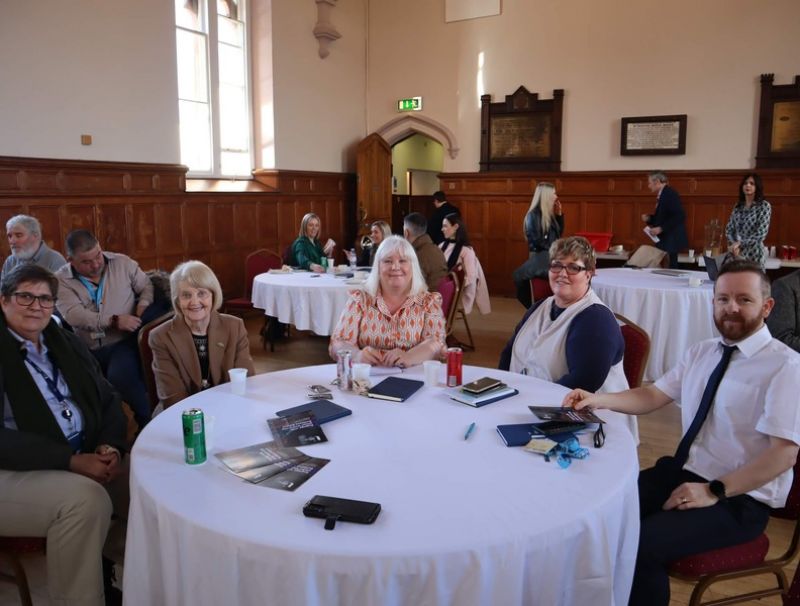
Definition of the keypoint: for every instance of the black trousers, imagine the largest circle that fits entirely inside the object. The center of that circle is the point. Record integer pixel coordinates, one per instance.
(673, 259)
(666, 536)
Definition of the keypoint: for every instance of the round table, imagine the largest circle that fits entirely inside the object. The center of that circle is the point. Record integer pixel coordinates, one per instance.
(467, 522)
(674, 314)
(306, 300)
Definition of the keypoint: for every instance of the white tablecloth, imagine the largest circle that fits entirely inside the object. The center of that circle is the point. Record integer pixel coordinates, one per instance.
(674, 314)
(463, 522)
(299, 298)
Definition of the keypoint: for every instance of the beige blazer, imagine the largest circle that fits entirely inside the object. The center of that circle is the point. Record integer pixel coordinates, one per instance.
(175, 362)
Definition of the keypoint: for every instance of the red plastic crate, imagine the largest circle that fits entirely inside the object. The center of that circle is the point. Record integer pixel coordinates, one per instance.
(599, 240)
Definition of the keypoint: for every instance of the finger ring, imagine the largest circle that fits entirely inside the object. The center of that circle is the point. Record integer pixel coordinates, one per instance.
(684, 500)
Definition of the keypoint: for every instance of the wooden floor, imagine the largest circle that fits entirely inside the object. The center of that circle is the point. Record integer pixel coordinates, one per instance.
(659, 431)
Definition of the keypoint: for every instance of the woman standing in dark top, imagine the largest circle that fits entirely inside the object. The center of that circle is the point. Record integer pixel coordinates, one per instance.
(749, 222)
(543, 225)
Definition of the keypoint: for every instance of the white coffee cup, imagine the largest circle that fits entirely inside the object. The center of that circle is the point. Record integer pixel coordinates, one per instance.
(238, 377)
(695, 281)
(361, 371)
(691, 253)
(361, 275)
(432, 370)
(331, 266)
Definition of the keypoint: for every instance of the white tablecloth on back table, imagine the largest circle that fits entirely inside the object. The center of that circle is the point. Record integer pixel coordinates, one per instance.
(674, 314)
(303, 300)
(463, 522)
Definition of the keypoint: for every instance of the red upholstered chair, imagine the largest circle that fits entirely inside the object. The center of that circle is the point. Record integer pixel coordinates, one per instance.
(637, 350)
(448, 287)
(747, 559)
(258, 262)
(146, 357)
(540, 289)
(11, 549)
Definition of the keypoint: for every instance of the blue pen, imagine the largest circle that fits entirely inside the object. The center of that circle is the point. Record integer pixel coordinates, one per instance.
(470, 429)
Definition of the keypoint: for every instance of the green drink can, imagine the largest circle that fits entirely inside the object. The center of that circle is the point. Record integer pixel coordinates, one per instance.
(324, 262)
(194, 436)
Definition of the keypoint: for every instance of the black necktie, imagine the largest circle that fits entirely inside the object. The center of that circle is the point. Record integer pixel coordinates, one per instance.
(705, 405)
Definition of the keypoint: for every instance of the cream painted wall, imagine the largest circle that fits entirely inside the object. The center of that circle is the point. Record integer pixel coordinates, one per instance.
(86, 67)
(418, 151)
(319, 104)
(614, 59)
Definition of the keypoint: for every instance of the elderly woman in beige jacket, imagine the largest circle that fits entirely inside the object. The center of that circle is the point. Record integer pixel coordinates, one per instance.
(196, 349)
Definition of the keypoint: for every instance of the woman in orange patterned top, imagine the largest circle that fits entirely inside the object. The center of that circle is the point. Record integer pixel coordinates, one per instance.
(394, 321)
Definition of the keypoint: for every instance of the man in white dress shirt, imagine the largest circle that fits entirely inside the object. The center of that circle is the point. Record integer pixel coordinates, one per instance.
(741, 423)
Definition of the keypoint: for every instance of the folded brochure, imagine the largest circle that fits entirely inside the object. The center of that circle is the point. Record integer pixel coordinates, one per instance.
(565, 415)
(301, 429)
(272, 465)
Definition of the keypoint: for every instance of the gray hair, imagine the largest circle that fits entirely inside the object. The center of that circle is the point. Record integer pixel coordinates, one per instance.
(197, 275)
(391, 245)
(658, 175)
(416, 224)
(31, 224)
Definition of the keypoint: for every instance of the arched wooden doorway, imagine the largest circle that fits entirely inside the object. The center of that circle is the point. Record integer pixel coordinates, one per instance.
(374, 165)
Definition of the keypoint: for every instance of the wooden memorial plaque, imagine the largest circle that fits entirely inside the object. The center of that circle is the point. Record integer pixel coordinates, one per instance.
(521, 133)
(779, 124)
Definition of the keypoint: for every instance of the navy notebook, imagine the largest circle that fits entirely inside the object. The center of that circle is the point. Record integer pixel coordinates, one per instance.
(520, 434)
(324, 411)
(395, 389)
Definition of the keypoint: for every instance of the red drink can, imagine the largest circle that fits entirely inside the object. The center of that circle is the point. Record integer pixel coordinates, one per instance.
(455, 362)
(784, 252)
(792, 252)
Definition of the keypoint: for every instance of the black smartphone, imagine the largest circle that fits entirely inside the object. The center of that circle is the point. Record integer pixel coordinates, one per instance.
(481, 385)
(334, 509)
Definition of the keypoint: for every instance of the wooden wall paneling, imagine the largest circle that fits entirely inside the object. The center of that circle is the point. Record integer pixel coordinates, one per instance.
(289, 222)
(50, 219)
(115, 226)
(169, 228)
(223, 235)
(143, 239)
(9, 179)
(624, 227)
(268, 226)
(196, 226)
(166, 262)
(78, 215)
(246, 224)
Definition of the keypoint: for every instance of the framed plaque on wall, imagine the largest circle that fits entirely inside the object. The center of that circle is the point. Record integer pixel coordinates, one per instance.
(779, 124)
(521, 133)
(653, 136)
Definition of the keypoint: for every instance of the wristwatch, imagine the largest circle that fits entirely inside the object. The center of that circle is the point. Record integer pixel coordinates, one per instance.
(717, 488)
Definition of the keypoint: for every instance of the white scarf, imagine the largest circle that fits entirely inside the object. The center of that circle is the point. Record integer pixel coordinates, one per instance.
(540, 346)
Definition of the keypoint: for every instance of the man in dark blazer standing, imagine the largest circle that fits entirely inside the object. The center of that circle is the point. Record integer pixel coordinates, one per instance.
(668, 222)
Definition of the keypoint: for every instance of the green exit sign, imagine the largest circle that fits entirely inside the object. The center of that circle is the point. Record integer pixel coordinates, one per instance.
(413, 104)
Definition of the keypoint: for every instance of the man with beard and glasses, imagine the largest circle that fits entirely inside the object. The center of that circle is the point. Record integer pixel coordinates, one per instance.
(26, 245)
(741, 423)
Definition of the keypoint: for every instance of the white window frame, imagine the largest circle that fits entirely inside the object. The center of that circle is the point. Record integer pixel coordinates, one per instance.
(212, 81)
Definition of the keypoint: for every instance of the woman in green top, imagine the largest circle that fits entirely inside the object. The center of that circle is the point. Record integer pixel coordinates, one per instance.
(307, 251)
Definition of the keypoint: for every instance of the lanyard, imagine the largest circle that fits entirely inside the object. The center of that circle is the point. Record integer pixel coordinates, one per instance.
(52, 383)
(95, 292)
